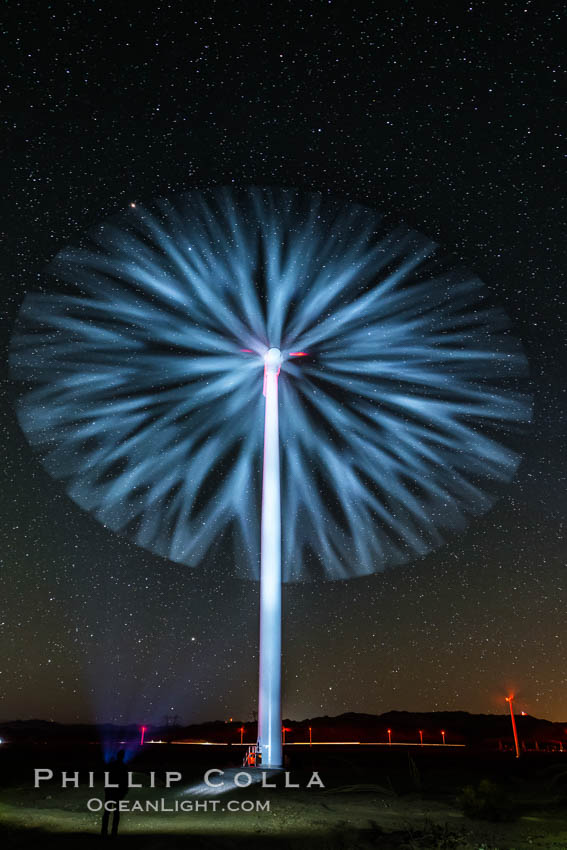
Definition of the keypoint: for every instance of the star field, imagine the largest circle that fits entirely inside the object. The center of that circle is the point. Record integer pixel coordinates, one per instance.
(449, 120)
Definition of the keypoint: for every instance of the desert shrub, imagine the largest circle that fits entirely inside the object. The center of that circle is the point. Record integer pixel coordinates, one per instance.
(432, 836)
(414, 775)
(486, 801)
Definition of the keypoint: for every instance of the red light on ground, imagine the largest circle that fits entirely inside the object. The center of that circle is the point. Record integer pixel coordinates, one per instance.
(523, 713)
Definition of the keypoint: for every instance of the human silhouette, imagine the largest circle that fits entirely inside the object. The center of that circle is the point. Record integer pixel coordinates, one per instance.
(117, 775)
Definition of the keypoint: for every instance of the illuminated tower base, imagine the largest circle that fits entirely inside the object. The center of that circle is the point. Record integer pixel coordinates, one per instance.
(269, 697)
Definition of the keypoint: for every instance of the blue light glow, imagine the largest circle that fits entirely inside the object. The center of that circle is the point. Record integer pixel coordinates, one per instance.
(146, 369)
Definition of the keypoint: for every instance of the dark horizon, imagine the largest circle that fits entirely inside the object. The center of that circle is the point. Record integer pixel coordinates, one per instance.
(233, 722)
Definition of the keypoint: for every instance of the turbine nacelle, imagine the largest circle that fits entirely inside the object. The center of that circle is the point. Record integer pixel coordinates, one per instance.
(273, 360)
(272, 364)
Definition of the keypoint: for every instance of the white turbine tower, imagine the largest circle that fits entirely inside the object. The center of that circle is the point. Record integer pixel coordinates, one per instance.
(269, 696)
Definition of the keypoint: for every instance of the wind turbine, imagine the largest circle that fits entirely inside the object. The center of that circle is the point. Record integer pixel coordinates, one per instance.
(142, 390)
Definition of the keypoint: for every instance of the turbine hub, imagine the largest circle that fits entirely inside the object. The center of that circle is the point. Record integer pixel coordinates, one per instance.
(273, 360)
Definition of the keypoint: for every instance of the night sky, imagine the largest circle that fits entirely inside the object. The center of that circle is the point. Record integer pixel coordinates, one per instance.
(447, 117)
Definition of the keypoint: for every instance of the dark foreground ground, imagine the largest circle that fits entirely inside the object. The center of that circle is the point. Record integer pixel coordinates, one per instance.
(415, 798)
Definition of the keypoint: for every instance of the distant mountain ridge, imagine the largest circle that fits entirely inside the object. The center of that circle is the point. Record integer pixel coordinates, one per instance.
(404, 726)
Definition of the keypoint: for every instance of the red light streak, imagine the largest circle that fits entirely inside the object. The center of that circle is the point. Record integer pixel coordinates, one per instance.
(298, 354)
(143, 731)
(510, 701)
